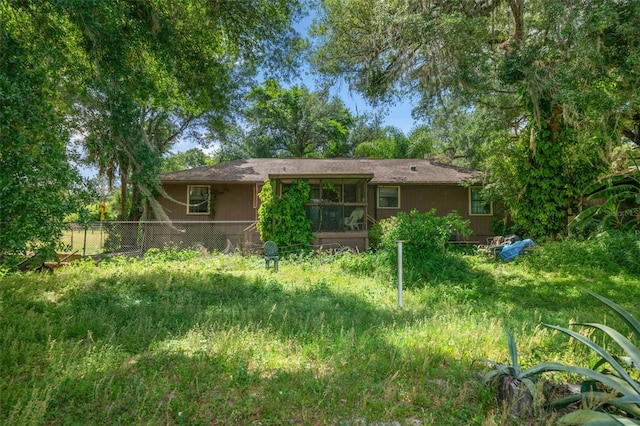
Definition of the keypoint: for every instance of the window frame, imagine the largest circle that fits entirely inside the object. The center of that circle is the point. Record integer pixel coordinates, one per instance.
(397, 187)
(257, 188)
(473, 189)
(189, 187)
(327, 206)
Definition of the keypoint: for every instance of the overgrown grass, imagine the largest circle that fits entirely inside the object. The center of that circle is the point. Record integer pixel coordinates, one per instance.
(221, 340)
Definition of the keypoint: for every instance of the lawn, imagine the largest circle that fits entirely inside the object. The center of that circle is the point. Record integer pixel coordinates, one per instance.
(182, 339)
(86, 241)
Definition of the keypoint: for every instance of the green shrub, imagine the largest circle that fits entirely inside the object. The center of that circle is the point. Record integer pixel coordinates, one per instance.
(283, 219)
(616, 199)
(426, 234)
(375, 237)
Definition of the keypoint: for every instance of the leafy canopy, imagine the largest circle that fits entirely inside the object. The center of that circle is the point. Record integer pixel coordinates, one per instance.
(527, 68)
(124, 79)
(291, 122)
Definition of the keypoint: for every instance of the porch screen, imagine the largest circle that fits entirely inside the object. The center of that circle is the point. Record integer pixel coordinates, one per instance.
(332, 204)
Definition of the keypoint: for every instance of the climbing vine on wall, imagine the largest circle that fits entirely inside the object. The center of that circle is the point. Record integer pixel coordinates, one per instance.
(552, 169)
(283, 218)
(541, 209)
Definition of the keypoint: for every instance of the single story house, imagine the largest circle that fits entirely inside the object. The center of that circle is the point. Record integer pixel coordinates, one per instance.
(348, 195)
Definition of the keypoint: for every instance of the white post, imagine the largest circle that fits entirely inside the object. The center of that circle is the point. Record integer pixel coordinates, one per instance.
(400, 273)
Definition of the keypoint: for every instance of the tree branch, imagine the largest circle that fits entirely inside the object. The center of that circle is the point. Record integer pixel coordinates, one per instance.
(634, 137)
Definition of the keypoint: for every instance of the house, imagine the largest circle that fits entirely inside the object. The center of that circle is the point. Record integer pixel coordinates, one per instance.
(348, 195)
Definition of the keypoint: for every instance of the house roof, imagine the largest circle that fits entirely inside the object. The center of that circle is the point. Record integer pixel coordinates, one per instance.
(381, 171)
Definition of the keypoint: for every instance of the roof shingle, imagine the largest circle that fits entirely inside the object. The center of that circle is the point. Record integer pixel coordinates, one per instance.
(384, 171)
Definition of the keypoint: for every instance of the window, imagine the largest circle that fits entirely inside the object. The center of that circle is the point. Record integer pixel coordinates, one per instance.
(389, 197)
(198, 199)
(478, 205)
(256, 199)
(332, 201)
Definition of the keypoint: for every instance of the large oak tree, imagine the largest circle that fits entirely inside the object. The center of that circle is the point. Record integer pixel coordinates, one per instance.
(555, 72)
(124, 78)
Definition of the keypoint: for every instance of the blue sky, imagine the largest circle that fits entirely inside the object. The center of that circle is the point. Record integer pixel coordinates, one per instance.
(397, 115)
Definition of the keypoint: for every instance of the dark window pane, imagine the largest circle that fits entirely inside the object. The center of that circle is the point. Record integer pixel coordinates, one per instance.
(198, 199)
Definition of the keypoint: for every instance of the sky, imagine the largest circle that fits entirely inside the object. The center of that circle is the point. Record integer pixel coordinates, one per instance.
(398, 115)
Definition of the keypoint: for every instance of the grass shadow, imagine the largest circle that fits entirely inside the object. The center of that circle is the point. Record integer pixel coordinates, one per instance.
(171, 346)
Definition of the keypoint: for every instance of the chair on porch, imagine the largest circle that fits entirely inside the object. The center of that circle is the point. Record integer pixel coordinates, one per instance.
(270, 250)
(353, 222)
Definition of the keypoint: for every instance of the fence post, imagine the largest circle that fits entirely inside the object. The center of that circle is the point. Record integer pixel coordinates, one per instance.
(400, 272)
(84, 248)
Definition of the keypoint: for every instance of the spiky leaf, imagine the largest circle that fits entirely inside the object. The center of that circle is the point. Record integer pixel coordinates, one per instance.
(633, 323)
(625, 344)
(604, 354)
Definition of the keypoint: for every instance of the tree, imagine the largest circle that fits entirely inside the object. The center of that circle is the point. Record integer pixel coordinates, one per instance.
(463, 135)
(390, 143)
(189, 159)
(524, 57)
(38, 186)
(294, 123)
(126, 78)
(159, 68)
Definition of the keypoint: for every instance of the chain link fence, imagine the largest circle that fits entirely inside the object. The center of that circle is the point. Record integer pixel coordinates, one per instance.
(135, 238)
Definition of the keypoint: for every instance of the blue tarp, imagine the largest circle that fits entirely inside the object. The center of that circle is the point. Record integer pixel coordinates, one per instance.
(512, 250)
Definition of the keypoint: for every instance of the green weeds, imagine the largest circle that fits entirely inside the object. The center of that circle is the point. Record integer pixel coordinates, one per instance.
(222, 340)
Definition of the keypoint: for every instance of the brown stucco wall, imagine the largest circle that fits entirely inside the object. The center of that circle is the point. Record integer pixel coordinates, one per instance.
(235, 202)
(443, 198)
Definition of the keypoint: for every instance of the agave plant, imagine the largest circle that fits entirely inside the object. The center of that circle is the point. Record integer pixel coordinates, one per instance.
(619, 392)
(513, 385)
(611, 394)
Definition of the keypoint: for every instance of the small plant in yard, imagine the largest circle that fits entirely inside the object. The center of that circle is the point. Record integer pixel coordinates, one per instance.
(513, 386)
(426, 234)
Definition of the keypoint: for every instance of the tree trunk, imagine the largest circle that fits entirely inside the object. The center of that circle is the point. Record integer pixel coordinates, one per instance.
(124, 173)
(135, 214)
